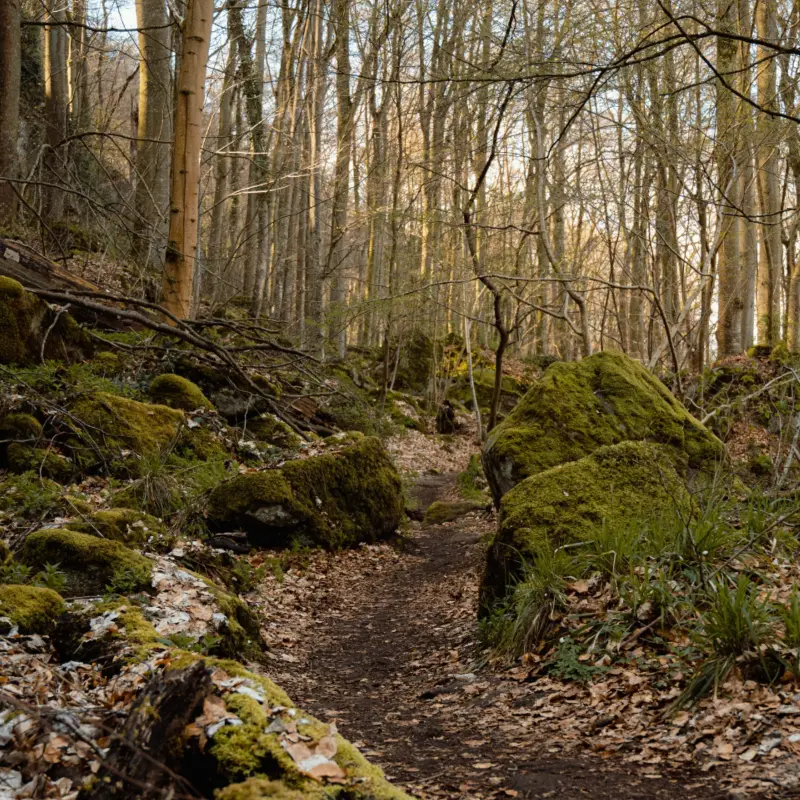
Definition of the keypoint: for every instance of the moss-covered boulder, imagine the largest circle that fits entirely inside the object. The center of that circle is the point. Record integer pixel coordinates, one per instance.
(90, 564)
(32, 609)
(270, 430)
(254, 757)
(177, 392)
(24, 458)
(30, 329)
(20, 427)
(576, 407)
(125, 525)
(623, 485)
(117, 432)
(333, 500)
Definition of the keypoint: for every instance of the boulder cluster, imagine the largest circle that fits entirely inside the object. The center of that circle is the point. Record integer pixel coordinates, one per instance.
(594, 444)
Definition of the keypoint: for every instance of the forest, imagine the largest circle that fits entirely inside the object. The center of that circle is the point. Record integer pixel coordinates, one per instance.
(399, 400)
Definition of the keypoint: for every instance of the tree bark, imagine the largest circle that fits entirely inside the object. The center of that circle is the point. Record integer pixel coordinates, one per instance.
(184, 196)
(154, 131)
(56, 109)
(10, 44)
(770, 267)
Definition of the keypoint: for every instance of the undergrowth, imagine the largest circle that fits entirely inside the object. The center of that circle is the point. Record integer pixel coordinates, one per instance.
(707, 577)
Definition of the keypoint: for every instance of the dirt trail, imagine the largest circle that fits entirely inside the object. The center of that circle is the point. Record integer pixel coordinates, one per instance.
(389, 660)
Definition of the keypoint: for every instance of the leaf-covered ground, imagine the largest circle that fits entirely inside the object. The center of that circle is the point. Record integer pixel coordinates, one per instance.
(383, 641)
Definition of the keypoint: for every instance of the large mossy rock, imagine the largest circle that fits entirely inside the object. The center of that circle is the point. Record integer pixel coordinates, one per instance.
(576, 407)
(30, 329)
(90, 564)
(273, 431)
(116, 431)
(126, 525)
(333, 500)
(631, 484)
(177, 392)
(32, 609)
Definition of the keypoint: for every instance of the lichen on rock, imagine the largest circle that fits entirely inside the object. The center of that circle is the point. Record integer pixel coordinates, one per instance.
(576, 407)
(89, 563)
(177, 392)
(33, 609)
(622, 485)
(333, 500)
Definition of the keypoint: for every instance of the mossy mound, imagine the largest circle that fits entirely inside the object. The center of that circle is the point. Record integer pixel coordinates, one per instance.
(623, 485)
(249, 761)
(576, 407)
(415, 361)
(31, 331)
(511, 390)
(30, 496)
(24, 458)
(442, 511)
(269, 429)
(32, 609)
(115, 431)
(19, 427)
(125, 525)
(333, 500)
(177, 392)
(89, 563)
(5, 553)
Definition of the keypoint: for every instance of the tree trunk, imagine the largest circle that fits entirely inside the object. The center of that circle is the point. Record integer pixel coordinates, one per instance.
(154, 131)
(184, 206)
(731, 303)
(56, 109)
(341, 192)
(770, 266)
(10, 41)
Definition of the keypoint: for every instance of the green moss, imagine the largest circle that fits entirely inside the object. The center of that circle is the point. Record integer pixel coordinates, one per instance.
(262, 789)
(31, 496)
(20, 427)
(10, 289)
(242, 636)
(442, 511)
(623, 485)
(761, 464)
(177, 392)
(125, 525)
(269, 429)
(32, 608)
(333, 500)
(24, 458)
(89, 563)
(116, 430)
(30, 329)
(5, 553)
(577, 407)
(248, 753)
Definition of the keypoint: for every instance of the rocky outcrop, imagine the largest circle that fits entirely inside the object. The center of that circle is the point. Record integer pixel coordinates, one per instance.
(333, 500)
(577, 407)
(595, 444)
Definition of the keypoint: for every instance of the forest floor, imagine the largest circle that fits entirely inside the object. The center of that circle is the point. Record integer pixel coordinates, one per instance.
(383, 641)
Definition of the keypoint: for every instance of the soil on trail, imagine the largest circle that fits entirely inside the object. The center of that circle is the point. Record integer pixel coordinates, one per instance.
(390, 657)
